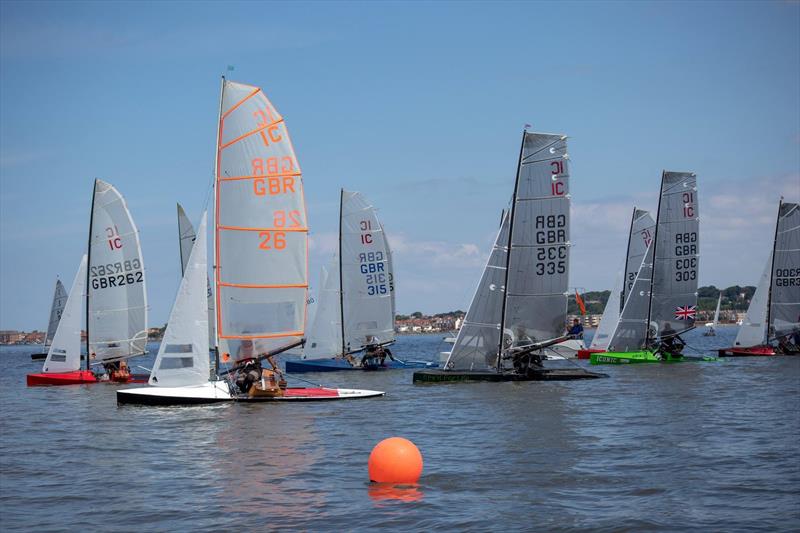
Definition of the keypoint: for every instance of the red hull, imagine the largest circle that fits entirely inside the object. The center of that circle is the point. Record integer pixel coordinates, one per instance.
(78, 377)
(747, 351)
(587, 353)
(306, 392)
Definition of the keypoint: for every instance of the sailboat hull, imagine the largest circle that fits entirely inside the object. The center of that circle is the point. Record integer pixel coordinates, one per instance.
(644, 356)
(546, 374)
(748, 351)
(587, 353)
(78, 377)
(218, 391)
(338, 364)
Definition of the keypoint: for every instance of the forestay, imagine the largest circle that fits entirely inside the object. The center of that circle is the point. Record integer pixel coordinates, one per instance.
(64, 354)
(183, 355)
(753, 330)
(784, 310)
(367, 307)
(631, 331)
(673, 302)
(324, 338)
(478, 340)
(538, 264)
(186, 238)
(117, 296)
(56, 310)
(261, 275)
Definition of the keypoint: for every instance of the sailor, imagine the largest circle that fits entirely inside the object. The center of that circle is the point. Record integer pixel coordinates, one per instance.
(671, 342)
(522, 360)
(372, 356)
(576, 331)
(248, 374)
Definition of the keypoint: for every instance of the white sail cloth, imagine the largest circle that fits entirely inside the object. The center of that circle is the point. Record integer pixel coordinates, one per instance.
(367, 304)
(325, 332)
(611, 314)
(753, 330)
(64, 354)
(117, 294)
(183, 358)
(261, 275)
(186, 238)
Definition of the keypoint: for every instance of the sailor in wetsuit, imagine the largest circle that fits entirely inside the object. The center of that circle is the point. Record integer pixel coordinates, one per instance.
(248, 374)
(524, 360)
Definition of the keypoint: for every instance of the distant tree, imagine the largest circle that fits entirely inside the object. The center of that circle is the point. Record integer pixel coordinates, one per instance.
(416, 314)
(708, 292)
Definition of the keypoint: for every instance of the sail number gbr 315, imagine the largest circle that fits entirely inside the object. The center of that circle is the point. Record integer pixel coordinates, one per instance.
(551, 231)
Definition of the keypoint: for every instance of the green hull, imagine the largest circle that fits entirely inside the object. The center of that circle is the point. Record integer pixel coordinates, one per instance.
(644, 356)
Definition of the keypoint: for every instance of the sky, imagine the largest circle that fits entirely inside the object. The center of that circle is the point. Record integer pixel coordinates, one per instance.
(419, 106)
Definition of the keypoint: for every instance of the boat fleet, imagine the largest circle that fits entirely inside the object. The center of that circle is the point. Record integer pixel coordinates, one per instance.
(243, 298)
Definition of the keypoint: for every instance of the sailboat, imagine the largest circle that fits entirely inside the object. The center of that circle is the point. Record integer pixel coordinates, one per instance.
(355, 315)
(640, 237)
(56, 309)
(711, 327)
(520, 305)
(260, 271)
(186, 238)
(116, 299)
(772, 323)
(661, 304)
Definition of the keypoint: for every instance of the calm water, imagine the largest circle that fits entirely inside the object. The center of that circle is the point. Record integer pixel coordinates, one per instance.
(707, 446)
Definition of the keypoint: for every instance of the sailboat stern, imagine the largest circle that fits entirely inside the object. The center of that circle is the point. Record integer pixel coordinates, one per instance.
(77, 377)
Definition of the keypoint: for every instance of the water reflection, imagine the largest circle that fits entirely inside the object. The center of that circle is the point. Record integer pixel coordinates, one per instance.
(381, 492)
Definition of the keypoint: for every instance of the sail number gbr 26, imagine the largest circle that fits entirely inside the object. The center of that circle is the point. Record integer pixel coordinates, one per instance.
(552, 233)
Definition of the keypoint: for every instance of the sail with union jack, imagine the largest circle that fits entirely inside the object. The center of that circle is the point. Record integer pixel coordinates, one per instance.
(686, 312)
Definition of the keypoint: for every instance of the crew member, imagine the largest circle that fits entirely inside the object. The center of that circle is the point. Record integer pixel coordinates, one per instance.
(576, 331)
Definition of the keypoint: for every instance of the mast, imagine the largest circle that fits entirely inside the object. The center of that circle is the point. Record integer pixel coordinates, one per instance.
(655, 249)
(341, 277)
(88, 270)
(215, 244)
(772, 270)
(627, 256)
(508, 252)
(180, 240)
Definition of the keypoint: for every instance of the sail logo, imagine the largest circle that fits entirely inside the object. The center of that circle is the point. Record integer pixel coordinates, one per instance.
(114, 239)
(686, 312)
(365, 226)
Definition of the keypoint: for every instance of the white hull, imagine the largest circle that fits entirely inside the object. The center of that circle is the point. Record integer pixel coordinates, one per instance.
(218, 391)
(565, 350)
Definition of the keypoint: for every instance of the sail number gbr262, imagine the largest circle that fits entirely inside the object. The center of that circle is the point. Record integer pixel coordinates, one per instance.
(551, 231)
(116, 274)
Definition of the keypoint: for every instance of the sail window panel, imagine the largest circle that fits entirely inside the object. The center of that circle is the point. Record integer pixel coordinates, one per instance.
(367, 320)
(245, 110)
(261, 312)
(629, 336)
(534, 318)
(784, 310)
(265, 152)
(269, 202)
(676, 265)
(173, 363)
(262, 257)
(114, 333)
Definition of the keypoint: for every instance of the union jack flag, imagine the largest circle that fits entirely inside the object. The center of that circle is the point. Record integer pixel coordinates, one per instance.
(686, 312)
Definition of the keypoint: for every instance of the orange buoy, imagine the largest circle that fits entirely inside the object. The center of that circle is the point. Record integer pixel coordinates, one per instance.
(395, 460)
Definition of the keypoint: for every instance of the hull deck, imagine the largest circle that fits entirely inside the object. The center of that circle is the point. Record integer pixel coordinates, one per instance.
(644, 356)
(78, 377)
(547, 374)
(749, 351)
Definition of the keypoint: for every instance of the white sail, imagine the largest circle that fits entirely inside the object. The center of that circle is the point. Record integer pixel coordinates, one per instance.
(753, 331)
(716, 313)
(365, 275)
(56, 310)
(673, 299)
(64, 354)
(117, 295)
(784, 310)
(608, 322)
(186, 238)
(478, 340)
(632, 327)
(261, 232)
(183, 355)
(324, 338)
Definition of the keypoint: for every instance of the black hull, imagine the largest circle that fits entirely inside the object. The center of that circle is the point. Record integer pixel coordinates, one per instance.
(547, 374)
(165, 401)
